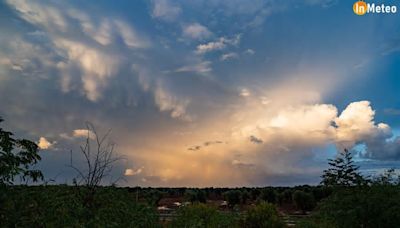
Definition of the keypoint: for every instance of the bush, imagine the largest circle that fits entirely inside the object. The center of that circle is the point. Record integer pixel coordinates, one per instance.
(62, 206)
(269, 195)
(368, 206)
(233, 197)
(303, 201)
(201, 215)
(196, 195)
(262, 215)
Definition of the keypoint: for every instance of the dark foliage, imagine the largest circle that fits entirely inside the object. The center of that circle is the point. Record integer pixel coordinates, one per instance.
(16, 158)
(342, 171)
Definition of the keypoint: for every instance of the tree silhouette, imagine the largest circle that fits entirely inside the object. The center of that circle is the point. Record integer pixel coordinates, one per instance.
(342, 171)
(99, 159)
(16, 158)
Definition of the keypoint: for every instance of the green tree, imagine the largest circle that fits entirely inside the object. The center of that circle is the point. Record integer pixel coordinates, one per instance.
(17, 157)
(263, 215)
(233, 197)
(342, 171)
(269, 195)
(303, 200)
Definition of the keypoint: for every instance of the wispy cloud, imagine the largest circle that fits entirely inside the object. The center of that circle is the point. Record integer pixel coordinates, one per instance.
(165, 10)
(220, 44)
(196, 31)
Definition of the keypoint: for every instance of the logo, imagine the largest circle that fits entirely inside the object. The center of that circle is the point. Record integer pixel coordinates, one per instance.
(361, 8)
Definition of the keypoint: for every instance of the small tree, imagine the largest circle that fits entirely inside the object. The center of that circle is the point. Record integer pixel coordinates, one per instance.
(99, 159)
(342, 171)
(17, 157)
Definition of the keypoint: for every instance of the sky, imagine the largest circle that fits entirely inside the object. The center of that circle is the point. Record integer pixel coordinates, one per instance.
(203, 93)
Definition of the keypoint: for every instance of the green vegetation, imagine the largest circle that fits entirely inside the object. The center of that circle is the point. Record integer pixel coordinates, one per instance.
(16, 158)
(201, 215)
(63, 206)
(264, 215)
(344, 199)
(303, 200)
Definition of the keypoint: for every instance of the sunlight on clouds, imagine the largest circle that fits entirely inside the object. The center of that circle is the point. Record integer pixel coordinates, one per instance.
(97, 67)
(132, 172)
(83, 133)
(45, 144)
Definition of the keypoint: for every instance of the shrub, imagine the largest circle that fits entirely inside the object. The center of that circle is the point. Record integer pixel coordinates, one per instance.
(61, 206)
(269, 195)
(233, 197)
(262, 215)
(303, 201)
(201, 215)
(368, 206)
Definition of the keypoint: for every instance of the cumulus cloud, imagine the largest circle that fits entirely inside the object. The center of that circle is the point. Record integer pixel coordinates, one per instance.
(220, 44)
(165, 10)
(196, 31)
(45, 144)
(356, 123)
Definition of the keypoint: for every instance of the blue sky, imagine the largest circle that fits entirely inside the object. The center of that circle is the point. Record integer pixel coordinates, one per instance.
(204, 93)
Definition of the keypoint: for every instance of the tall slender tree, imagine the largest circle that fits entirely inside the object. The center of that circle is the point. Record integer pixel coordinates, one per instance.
(342, 171)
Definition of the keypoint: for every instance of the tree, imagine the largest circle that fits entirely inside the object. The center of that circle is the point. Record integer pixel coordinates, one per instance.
(262, 215)
(303, 200)
(99, 159)
(342, 171)
(233, 197)
(17, 156)
(269, 195)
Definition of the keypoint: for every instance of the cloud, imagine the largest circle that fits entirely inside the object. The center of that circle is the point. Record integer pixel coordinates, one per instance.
(65, 46)
(132, 172)
(165, 10)
(244, 92)
(196, 31)
(83, 133)
(255, 140)
(44, 144)
(220, 44)
(205, 144)
(96, 67)
(250, 52)
(170, 103)
(356, 123)
(201, 67)
(323, 3)
(230, 55)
